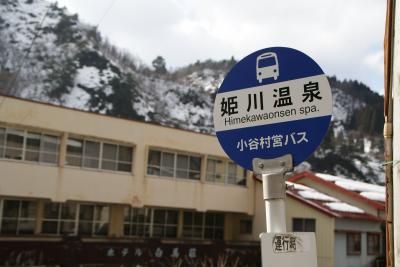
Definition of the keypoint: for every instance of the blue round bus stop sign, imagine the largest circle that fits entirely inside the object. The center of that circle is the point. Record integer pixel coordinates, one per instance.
(275, 101)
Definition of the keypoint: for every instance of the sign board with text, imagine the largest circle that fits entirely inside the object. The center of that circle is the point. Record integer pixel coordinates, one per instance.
(275, 101)
(288, 250)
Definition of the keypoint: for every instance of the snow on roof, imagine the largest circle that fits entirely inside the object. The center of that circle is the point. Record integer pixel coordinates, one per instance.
(310, 193)
(370, 191)
(343, 207)
(374, 196)
(322, 199)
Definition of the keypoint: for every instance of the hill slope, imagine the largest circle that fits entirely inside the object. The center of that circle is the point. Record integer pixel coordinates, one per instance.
(60, 60)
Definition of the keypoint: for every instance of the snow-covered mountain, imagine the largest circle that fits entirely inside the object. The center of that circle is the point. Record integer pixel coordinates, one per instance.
(47, 54)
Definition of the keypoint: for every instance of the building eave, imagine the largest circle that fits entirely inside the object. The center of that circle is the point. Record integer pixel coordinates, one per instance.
(297, 178)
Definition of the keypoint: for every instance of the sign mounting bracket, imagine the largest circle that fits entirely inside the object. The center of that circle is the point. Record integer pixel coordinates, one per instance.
(272, 172)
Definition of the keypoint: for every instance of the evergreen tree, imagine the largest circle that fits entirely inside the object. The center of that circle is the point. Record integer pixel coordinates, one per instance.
(124, 97)
(159, 65)
(61, 79)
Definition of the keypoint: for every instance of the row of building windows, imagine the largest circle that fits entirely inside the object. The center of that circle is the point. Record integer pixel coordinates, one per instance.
(28, 145)
(177, 165)
(99, 155)
(19, 217)
(40, 147)
(185, 166)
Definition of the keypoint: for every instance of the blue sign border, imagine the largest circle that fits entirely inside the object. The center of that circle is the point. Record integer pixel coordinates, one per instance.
(295, 65)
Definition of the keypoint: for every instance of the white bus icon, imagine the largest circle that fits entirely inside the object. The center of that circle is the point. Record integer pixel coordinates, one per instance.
(267, 66)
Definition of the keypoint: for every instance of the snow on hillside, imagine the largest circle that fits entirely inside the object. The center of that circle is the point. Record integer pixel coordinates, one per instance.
(208, 80)
(344, 105)
(69, 64)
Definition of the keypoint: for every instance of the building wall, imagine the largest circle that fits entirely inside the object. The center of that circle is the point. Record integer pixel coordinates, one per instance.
(342, 258)
(343, 197)
(296, 209)
(61, 183)
(324, 231)
(64, 183)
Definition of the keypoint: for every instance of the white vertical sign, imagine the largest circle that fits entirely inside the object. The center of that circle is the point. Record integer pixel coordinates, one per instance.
(288, 250)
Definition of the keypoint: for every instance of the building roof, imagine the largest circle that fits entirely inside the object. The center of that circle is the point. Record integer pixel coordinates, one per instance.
(370, 194)
(103, 115)
(326, 204)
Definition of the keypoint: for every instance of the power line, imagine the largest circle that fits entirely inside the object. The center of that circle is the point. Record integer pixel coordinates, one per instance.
(10, 86)
(105, 13)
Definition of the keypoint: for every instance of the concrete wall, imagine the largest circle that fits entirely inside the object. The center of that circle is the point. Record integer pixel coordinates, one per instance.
(341, 257)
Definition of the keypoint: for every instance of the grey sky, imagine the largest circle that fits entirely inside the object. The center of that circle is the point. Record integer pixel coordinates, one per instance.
(345, 37)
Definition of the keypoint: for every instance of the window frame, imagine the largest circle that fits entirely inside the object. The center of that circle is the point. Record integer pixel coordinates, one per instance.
(101, 157)
(59, 220)
(2, 141)
(93, 221)
(192, 226)
(353, 252)
(151, 224)
(77, 220)
(214, 227)
(188, 169)
(175, 168)
(303, 224)
(226, 175)
(18, 218)
(373, 234)
(145, 224)
(204, 226)
(41, 151)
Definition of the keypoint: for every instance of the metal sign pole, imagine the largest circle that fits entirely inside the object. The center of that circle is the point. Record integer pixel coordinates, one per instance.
(273, 172)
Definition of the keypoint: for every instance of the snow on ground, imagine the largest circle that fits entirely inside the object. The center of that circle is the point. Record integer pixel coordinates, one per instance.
(88, 77)
(367, 145)
(143, 108)
(376, 167)
(78, 99)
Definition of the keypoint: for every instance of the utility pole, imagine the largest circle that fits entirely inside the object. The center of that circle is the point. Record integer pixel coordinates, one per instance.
(392, 133)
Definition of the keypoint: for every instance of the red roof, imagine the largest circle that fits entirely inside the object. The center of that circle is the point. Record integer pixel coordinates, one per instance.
(296, 178)
(333, 213)
(319, 205)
